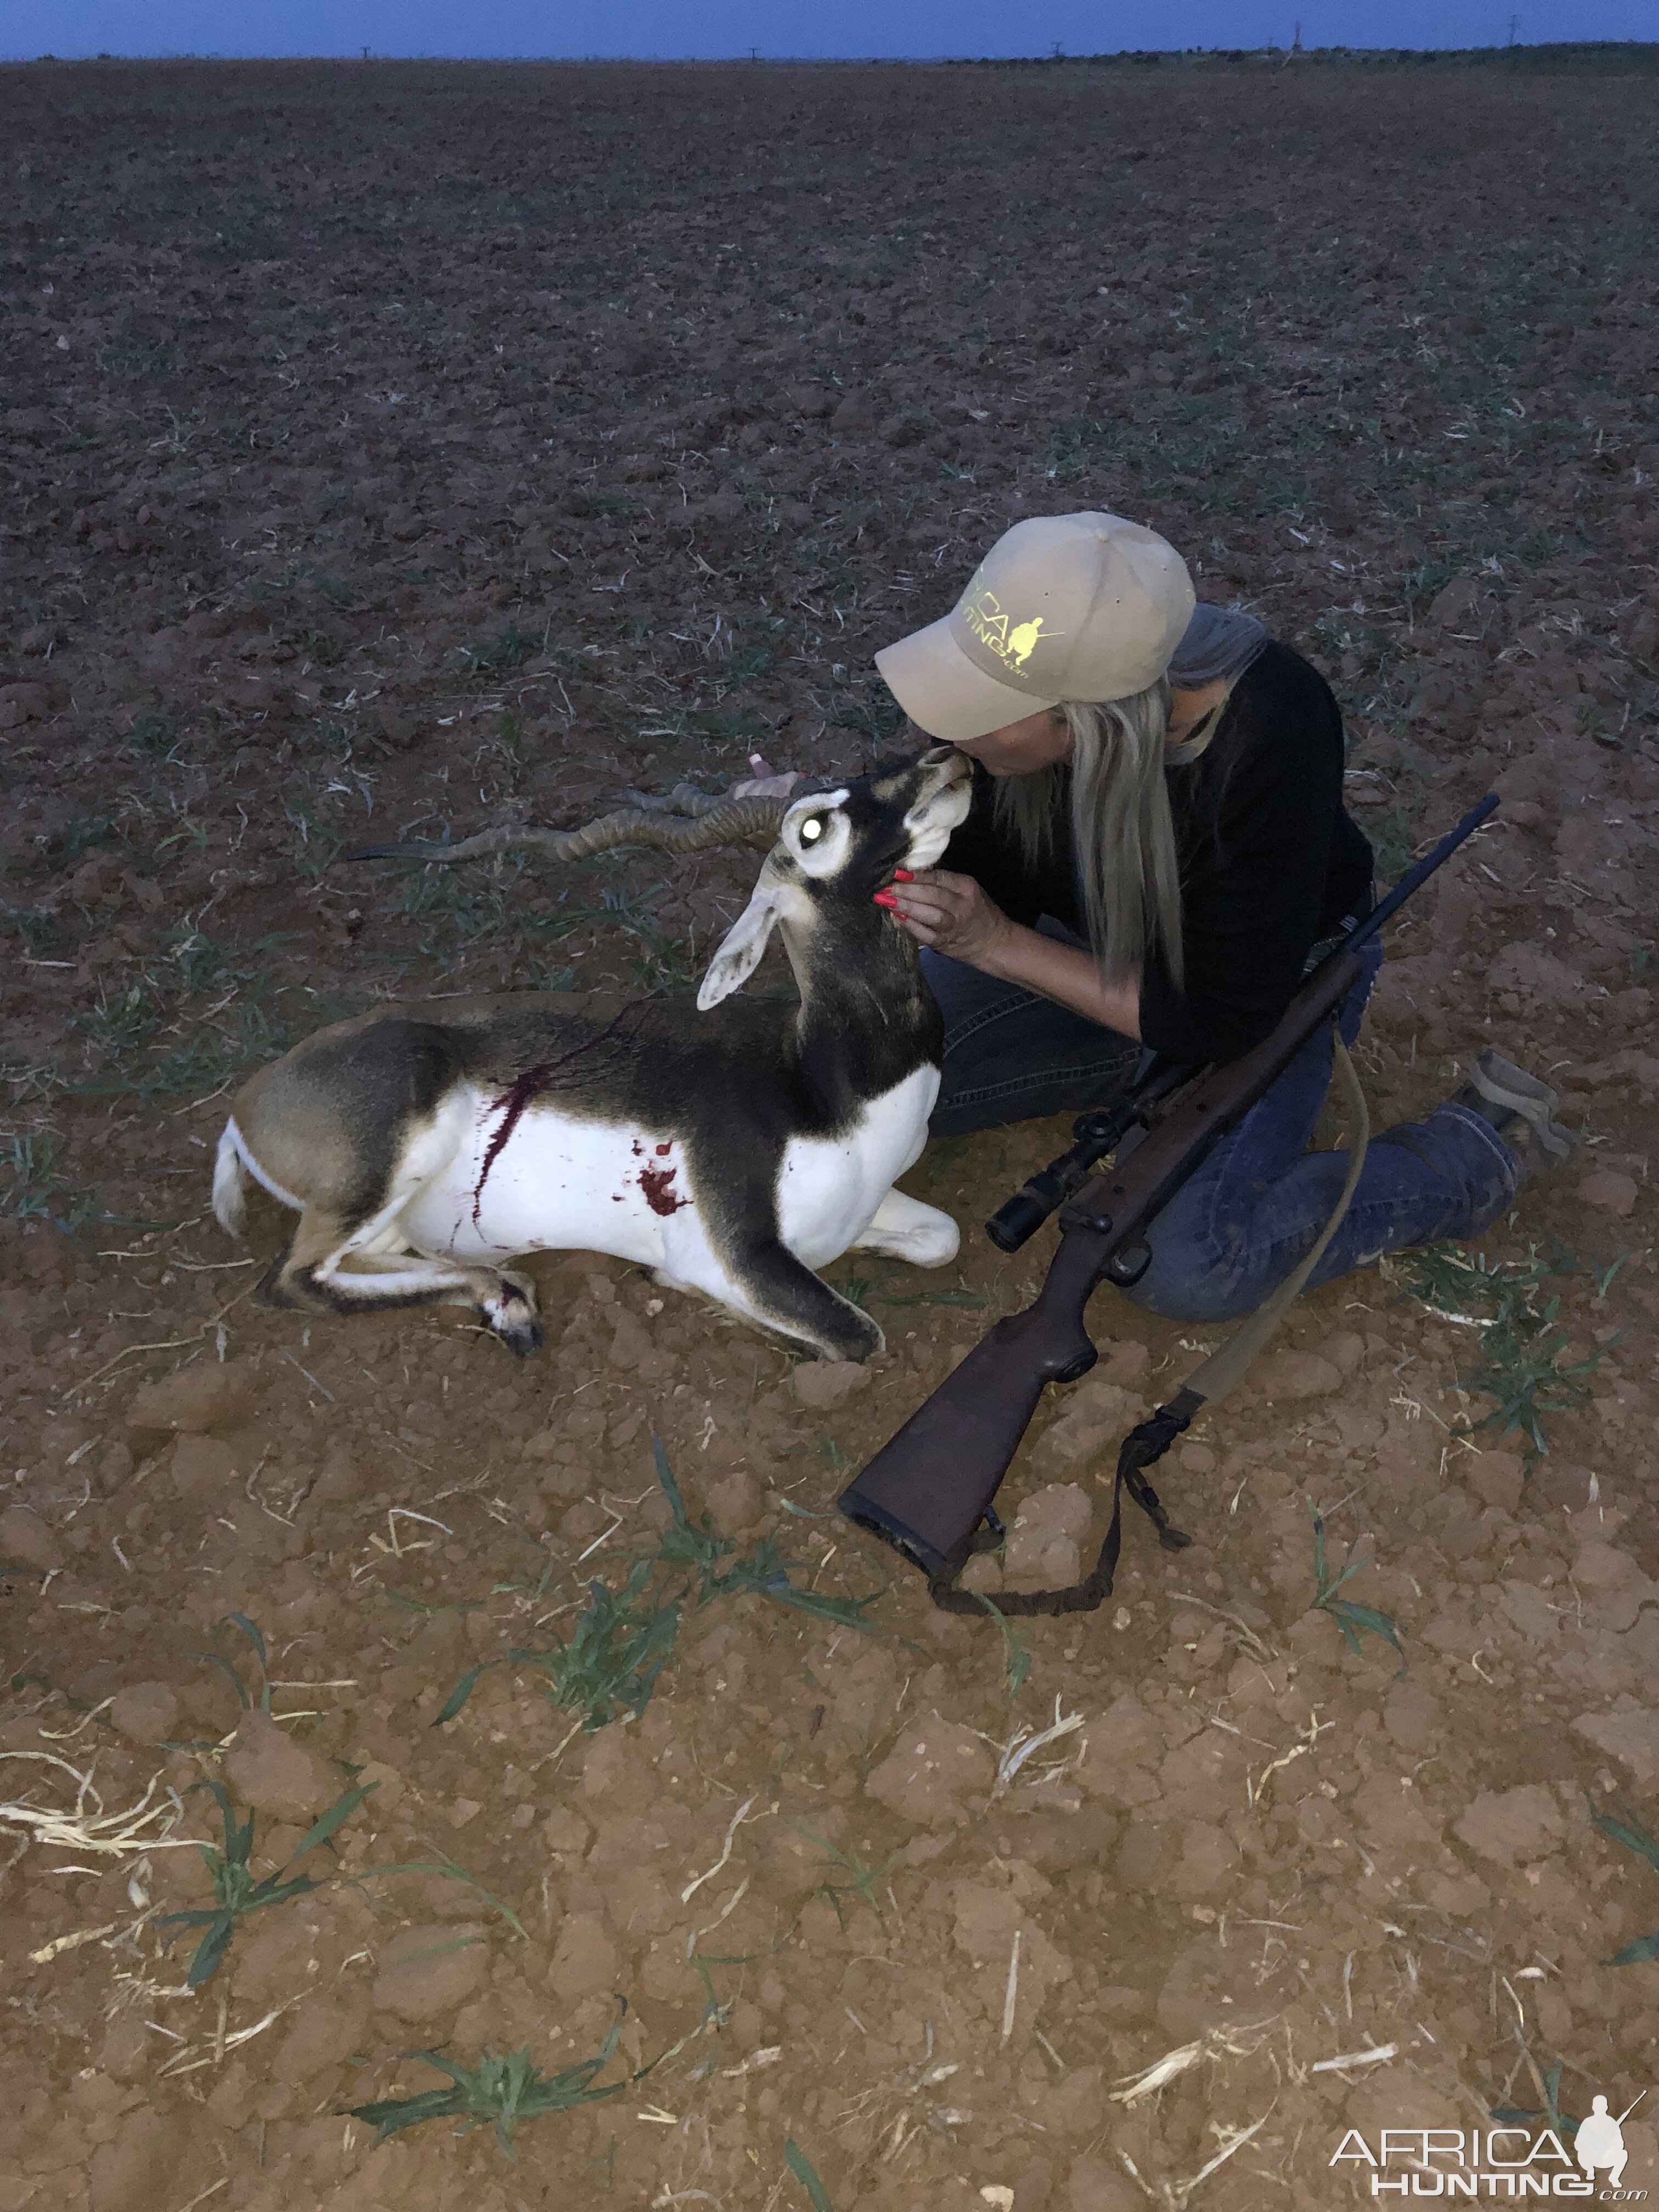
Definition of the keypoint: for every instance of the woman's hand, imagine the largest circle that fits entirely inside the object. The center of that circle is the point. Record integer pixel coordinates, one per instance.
(951, 915)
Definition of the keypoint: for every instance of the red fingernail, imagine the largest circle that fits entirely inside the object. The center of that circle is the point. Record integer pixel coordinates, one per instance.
(902, 876)
(885, 898)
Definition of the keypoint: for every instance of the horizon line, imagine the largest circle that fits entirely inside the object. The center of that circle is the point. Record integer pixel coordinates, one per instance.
(752, 58)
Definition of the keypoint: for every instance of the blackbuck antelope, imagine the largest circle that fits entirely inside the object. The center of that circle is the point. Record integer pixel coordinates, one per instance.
(734, 1148)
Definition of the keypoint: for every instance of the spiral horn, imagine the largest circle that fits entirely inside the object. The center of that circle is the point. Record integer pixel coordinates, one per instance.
(729, 821)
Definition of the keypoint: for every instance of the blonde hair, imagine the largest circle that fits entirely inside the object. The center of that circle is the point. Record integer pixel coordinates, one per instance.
(1120, 825)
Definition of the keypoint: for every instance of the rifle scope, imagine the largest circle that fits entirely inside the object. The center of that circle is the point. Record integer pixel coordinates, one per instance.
(1095, 1135)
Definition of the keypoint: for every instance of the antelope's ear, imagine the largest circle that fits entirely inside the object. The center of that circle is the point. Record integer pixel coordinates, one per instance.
(741, 949)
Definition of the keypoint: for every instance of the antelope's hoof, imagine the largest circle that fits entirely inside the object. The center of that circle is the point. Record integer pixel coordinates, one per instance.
(857, 1346)
(511, 1316)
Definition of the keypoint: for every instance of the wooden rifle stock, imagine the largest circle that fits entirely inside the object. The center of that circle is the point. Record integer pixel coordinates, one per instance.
(927, 1491)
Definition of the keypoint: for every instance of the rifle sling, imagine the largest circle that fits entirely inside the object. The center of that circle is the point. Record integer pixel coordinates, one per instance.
(1207, 1385)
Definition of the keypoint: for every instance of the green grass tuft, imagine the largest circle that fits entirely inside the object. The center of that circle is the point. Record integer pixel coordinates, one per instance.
(127, 1029)
(763, 1573)
(861, 1880)
(1637, 1839)
(806, 2174)
(236, 1893)
(875, 715)
(1016, 1651)
(623, 1638)
(1074, 447)
(871, 1290)
(150, 733)
(497, 2093)
(320, 844)
(77, 837)
(1522, 1368)
(1522, 1344)
(44, 936)
(1552, 2116)
(622, 1641)
(340, 592)
(509, 648)
(1355, 1621)
(1392, 837)
(35, 1188)
(245, 1697)
(719, 727)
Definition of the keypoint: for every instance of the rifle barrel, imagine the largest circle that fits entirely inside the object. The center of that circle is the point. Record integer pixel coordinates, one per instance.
(1416, 876)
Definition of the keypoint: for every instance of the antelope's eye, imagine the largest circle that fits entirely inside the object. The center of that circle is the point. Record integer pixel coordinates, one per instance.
(812, 829)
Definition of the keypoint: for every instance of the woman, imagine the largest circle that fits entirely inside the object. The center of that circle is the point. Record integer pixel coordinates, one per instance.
(1157, 852)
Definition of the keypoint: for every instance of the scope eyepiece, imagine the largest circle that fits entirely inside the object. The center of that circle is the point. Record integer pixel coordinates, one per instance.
(1018, 1222)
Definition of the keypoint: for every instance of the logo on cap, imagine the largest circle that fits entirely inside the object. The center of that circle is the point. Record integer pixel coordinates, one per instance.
(988, 621)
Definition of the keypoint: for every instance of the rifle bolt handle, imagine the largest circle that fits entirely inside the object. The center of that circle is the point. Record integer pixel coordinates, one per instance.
(1075, 1217)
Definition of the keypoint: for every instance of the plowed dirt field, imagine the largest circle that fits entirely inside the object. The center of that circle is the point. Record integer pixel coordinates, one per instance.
(414, 448)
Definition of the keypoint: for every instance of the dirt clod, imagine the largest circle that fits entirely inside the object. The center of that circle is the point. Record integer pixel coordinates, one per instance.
(1045, 1544)
(584, 1961)
(28, 1541)
(1614, 1193)
(1510, 1825)
(198, 1400)
(427, 1972)
(1411, 1715)
(144, 1712)
(1630, 1732)
(823, 1382)
(275, 1774)
(1295, 1375)
(129, 2175)
(934, 1773)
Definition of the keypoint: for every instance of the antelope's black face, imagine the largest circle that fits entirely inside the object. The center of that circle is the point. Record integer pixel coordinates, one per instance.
(837, 848)
(852, 839)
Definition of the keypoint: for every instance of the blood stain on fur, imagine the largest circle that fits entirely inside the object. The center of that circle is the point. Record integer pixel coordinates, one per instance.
(655, 1183)
(520, 1094)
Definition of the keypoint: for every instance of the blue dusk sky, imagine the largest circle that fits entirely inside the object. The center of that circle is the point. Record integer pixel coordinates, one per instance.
(806, 30)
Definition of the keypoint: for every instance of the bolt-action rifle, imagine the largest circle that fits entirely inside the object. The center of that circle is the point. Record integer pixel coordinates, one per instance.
(929, 1491)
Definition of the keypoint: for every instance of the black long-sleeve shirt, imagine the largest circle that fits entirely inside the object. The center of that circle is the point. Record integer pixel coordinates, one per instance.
(1270, 863)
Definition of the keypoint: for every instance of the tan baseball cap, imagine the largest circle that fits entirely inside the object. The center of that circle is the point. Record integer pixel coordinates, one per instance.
(1063, 607)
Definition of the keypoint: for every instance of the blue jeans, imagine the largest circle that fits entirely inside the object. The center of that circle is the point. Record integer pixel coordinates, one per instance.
(1232, 1233)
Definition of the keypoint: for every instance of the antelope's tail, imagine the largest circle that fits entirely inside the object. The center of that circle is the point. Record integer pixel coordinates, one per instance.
(229, 1183)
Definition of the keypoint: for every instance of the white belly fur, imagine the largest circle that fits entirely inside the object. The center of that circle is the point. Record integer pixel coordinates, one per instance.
(558, 1183)
(831, 1187)
(564, 1184)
